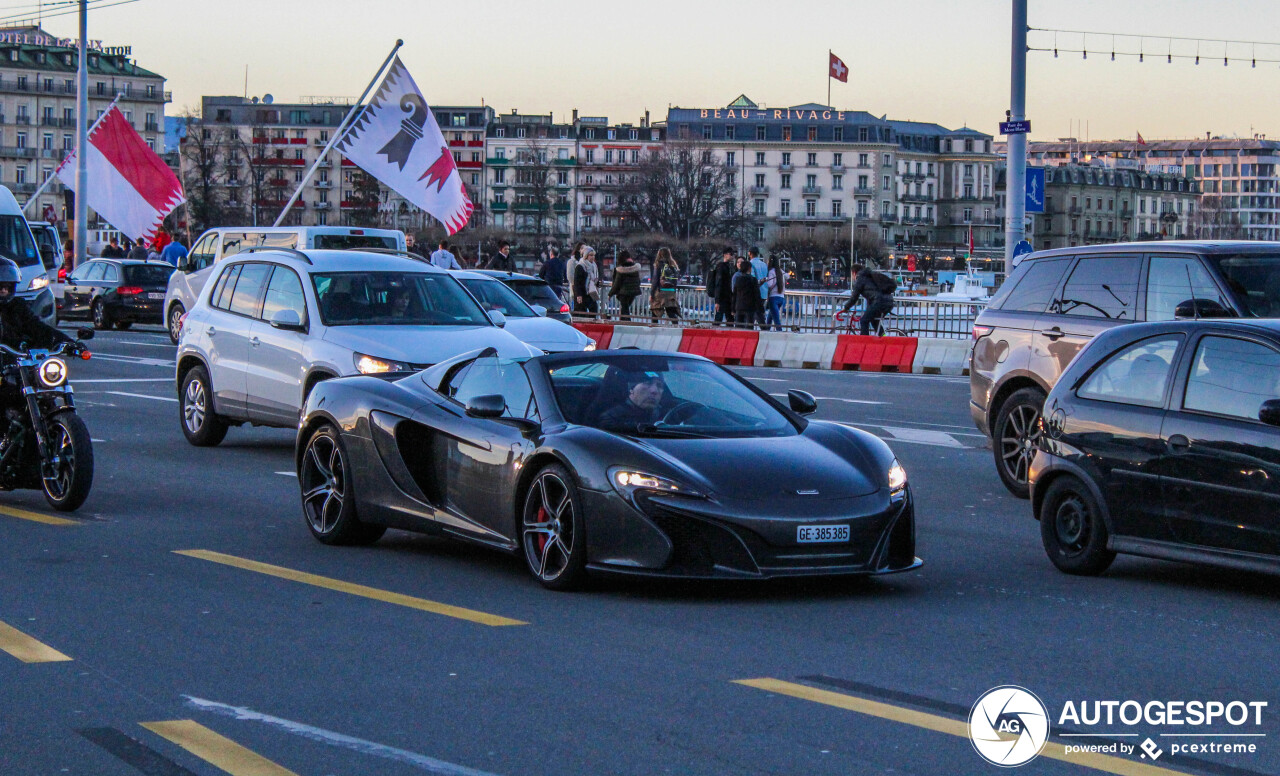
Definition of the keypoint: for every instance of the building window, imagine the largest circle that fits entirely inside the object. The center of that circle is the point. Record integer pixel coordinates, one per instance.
(759, 233)
(968, 191)
(591, 155)
(20, 173)
(862, 208)
(862, 160)
(786, 133)
(46, 141)
(731, 159)
(759, 158)
(813, 134)
(760, 133)
(500, 132)
(784, 207)
(837, 160)
(836, 211)
(837, 182)
(812, 160)
(810, 181)
(760, 180)
(608, 156)
(706, 131)
(728, 132)
(811, 208)
(786, 181)
(760, 203)
(786, 158)
(885, 183)
(839, 135)
(886, 160)
(862, 135)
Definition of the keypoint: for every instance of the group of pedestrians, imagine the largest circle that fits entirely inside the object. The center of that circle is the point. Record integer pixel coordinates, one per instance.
(577, 280)
(164, 247)
(747, 291)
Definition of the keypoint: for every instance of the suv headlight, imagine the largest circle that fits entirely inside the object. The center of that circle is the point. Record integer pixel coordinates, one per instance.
(897, 479)
(38, 282)
(368, 365)
(628, 481)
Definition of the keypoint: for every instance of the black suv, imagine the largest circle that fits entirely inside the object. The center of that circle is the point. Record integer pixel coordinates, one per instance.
(1056, 301)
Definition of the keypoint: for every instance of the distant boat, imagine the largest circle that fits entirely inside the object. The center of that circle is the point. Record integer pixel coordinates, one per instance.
(968, 288)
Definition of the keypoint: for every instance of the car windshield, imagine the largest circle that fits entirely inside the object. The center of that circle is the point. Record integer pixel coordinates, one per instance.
(348, 241)
(15, 241)
(658, 396)
(148, 274)
(47, 239)
(1254, 280)
(493, 295)
(537, 293)
(395, 298)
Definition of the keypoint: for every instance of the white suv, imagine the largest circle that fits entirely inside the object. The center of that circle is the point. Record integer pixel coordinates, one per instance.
(274, 322)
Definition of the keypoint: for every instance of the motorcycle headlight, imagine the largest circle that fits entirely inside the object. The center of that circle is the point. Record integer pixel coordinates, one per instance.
(897, 479)
(368, 365)
(39, 282)
(52, 372)
(628, 481)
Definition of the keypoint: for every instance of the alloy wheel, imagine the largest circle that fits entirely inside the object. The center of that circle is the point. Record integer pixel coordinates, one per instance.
(63, 463)
(194, 406)
(1018, 442)
(324, 483)
(175, 323)
(548, 521)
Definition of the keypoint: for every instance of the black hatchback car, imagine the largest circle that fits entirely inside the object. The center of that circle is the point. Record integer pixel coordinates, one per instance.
(116, 292)
(1163, 440)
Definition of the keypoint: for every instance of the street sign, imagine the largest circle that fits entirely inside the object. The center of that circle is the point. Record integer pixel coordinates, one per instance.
(1035, 190)
(1015, 127)
(1021, 249)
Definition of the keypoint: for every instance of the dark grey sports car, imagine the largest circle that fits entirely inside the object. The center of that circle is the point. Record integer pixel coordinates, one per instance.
(626, 461)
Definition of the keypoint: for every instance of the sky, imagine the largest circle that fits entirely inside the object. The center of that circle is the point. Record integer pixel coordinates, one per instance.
(945, 61)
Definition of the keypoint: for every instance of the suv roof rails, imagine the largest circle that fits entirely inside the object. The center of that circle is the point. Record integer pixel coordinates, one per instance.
(394, 252)
(294, 252)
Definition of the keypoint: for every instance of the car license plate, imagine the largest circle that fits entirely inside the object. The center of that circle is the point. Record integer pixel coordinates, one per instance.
(158, 297)
(822, 534)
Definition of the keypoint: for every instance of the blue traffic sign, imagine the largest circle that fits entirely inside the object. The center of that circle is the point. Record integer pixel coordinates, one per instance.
(1021, 249)
(1035, 190)
(1015, 127)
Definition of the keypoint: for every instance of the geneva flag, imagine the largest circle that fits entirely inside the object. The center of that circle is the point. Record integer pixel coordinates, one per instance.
(397, 141)
(130, 187)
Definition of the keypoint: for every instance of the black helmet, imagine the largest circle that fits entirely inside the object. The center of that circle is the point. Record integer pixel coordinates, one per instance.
(9, 278)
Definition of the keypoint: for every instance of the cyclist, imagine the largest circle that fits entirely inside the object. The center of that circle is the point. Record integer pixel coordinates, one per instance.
(877, 288)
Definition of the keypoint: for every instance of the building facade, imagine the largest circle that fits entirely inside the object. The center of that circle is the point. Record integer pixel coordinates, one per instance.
(530, 175)
(38, 107)
(607, 157)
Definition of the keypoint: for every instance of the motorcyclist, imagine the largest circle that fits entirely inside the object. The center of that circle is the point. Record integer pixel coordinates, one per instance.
(18, 324)
(877, 288)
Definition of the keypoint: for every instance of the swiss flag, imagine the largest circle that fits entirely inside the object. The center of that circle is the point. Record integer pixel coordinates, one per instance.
(1140, 140)
(839, 70)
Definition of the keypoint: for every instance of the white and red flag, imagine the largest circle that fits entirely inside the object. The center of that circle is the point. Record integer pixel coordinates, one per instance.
(396, 140)
(129, 185)
(1140, 140)
(839, 70)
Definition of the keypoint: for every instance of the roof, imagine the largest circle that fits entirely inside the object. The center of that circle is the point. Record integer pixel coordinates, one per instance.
(341, 261)
(742, 101)
(55, 61)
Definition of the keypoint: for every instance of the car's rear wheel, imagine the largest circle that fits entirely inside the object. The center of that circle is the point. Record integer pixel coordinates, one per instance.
(328, 500)
(551, 530)
(200, 424)
(174, 321)
(1072, 529)
(101, 318)
(1014, 439)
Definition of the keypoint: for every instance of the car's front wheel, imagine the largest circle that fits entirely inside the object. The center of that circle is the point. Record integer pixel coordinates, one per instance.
(201, 426)
(328, 501)
(174, 321)
(101, 318)
(551, 529)
(1072, 529)
(1014, 439)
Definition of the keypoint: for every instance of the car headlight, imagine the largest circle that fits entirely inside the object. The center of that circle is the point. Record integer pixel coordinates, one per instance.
(628, 481)
(589, 346)
(368, 365)
(52, 372)
(39, 282)
(897, 479)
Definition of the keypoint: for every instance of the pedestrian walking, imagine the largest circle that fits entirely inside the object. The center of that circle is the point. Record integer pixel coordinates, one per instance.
(761, 272)
(776, 283)
(745, 294)
(720, 286)
(173, 252)
(877, 288)
(553, 272)
(138, 251)
(666, 282)
(569, 267)
(502, 260)
(113, 249)
(626, 283)
(586, 290)
(443, 258)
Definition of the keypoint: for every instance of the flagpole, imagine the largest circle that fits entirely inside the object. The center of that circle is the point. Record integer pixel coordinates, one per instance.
(829, 81)
(337, 133)
(81, 212)
(54, 174)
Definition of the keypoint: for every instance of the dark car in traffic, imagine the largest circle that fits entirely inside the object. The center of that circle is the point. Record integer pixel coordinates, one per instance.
(630, 462)
(1055, 301)
(1163, 440)
(116, 292)
(535, 291)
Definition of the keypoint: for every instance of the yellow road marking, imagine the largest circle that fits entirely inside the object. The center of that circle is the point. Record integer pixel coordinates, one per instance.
(27, 649)
(351, 588)
(218, 751)
(36, 517)
(1052, 750)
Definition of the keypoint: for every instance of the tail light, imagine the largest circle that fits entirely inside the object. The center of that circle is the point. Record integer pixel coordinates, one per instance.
(62, 274)
(564, 308)
(981, 331)
(129, 290)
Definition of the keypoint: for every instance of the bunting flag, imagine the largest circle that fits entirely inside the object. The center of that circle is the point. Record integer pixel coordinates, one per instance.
(129, 185)
(396, 140)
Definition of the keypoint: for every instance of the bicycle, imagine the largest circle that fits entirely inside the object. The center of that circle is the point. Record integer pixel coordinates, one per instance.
(851, 323)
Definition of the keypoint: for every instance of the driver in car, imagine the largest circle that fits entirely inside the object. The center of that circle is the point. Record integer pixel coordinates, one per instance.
(642, 405)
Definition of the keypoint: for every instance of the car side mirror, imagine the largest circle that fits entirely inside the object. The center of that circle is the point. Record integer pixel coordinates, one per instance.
(802, 402)
(540, 310)
(287, 320)
(491, 405)
(84, 333)
(1201, 308)
(498, 318)
(1269, 412)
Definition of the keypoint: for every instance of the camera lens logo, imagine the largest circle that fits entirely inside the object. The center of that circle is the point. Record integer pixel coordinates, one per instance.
(1008, 726)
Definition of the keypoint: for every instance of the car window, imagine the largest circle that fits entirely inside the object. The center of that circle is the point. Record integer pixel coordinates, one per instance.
(148, 274)
(493, 295)
(395, 298)
(1254, 279)
(1137, 374)
(1034, 291)
(234, 242)
(501, 376)
(349, 241)
(47, 240)
(95, 271)
(1232, 377)
(111, 273)
(277, 239)
(201, 256)
(284, 292)
(1101, 287)
(245, 299)
(1172, 280)
(82, 272)
(16, 243)
(537, 293)
(221, 296)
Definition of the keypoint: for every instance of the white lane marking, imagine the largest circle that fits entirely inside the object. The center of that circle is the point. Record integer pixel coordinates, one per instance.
(96, 441)
(127, 380)
(838, 398)
(767, 380)
(422, 761)
(142, 396)
(146, 344)
(913, 436)
(139, 360)
(288, 474)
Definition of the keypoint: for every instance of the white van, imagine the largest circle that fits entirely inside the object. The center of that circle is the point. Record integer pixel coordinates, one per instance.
(17, 244)
(217, 244)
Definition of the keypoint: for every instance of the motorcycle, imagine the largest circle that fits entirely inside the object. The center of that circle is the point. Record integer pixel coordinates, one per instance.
(45, 446)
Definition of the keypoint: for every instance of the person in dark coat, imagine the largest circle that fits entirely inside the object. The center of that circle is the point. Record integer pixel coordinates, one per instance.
(553, 272)
(877, 288)
(502, 260)
(745, 292)
(626, 283)
(721, 289)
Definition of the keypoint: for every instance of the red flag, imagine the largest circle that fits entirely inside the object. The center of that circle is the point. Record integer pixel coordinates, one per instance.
(838, 69)
(1140, 140)
(971, 241)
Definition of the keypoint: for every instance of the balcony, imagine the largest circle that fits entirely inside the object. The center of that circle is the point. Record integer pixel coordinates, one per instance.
(151, 128)
(321, 205)
(786, 167)
(811, 191)
(325, 164)
(497, 161)
(916, 198)
(562, 207)
(324, 184)
(888, 218)
(19, 151)
(234, 183)
(498, 207)
(21, 119)
(24, 188)
(837, 168)
(864, 191)
(565, 162)
(759, 191)
(48, 121)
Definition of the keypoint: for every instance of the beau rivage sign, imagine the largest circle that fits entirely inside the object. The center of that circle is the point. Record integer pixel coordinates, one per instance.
(787, 114)
(40, 39)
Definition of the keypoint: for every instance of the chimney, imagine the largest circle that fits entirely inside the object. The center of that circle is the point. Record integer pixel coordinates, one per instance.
(575, 115)
(646, 118)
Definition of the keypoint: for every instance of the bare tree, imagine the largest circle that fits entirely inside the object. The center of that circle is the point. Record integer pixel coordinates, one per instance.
(535, 189)
(1213, 221)
(685, 191)
(366, 197)
(204, 173)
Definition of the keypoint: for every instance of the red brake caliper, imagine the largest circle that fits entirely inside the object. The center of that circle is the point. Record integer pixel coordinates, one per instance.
(542, 537)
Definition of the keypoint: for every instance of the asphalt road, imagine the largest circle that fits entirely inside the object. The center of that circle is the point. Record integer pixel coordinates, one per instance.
(148, 609)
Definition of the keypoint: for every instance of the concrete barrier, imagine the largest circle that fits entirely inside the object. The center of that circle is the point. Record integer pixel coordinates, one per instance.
(729, 347)
(874, 354)
(942, 357)
(795, 351)
(602, 333)
(665, 338)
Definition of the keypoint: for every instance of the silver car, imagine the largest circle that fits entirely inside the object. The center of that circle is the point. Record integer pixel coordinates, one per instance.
(274, 322)
(530, 326)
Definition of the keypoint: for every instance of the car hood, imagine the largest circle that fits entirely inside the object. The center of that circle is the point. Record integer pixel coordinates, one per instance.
(425, 344)
(547, 334)
(772, 469)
